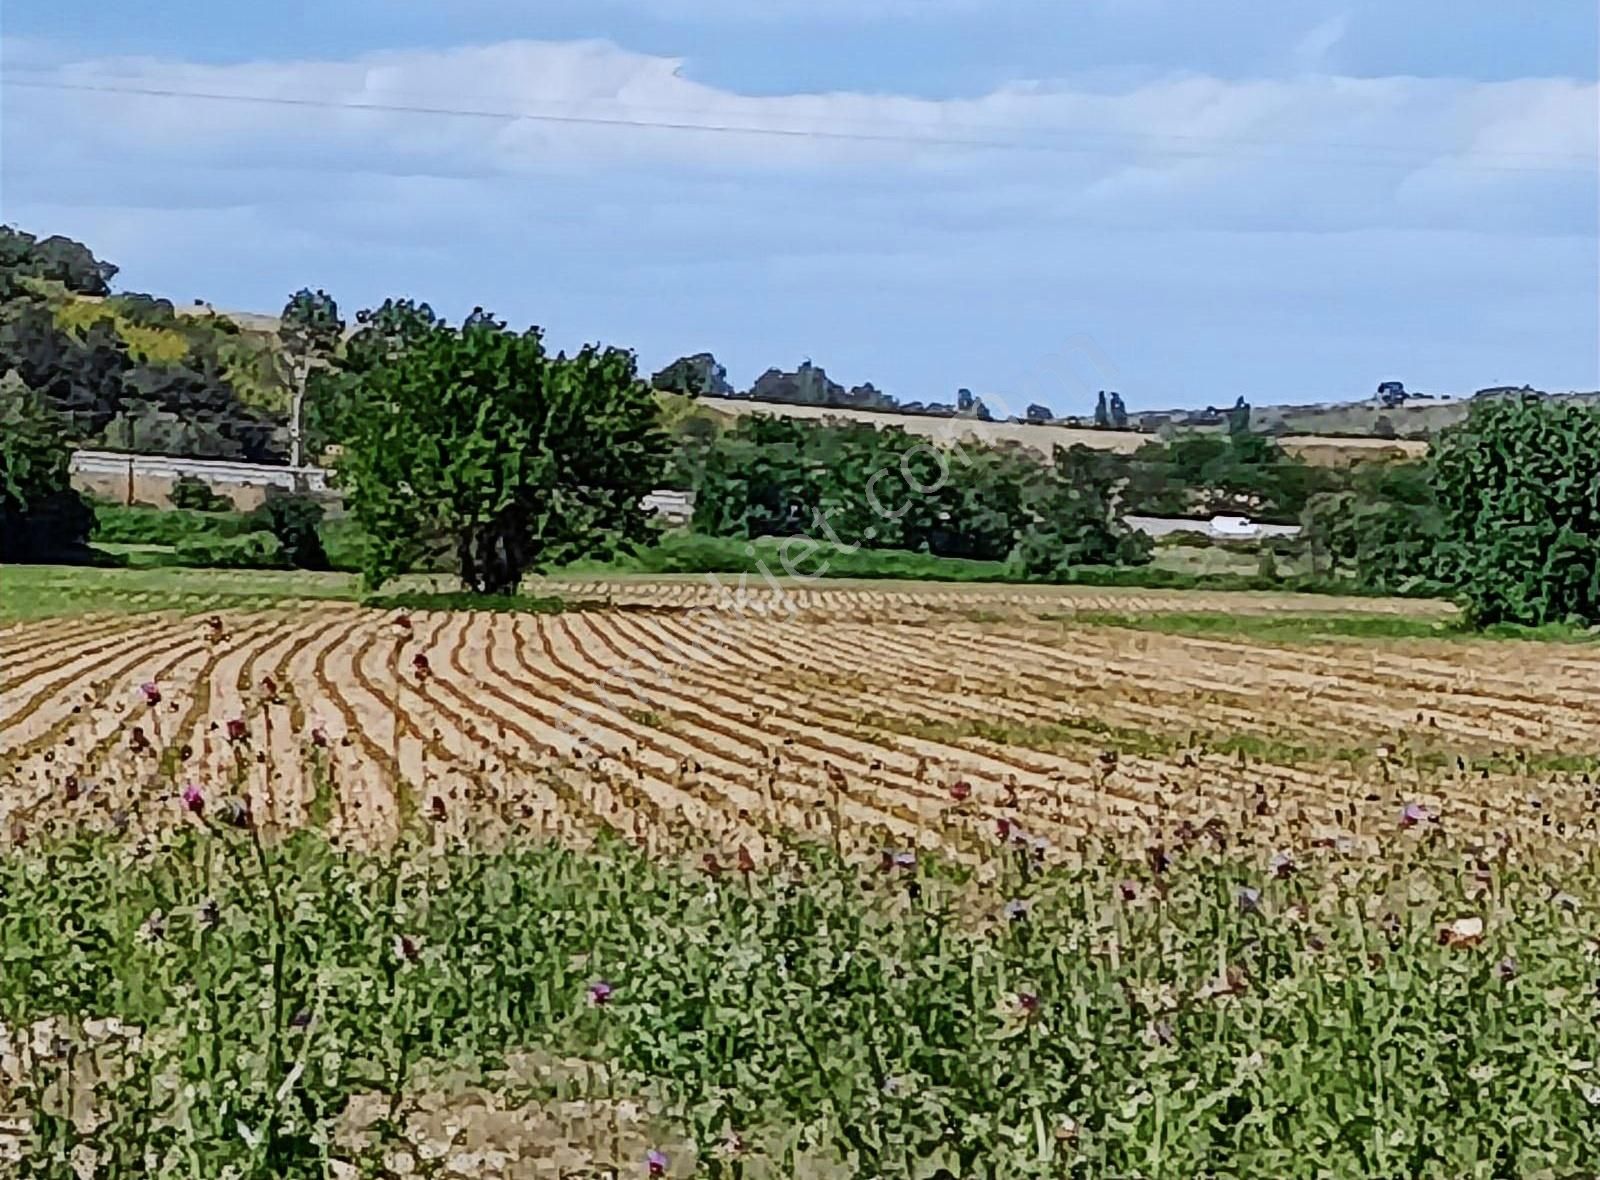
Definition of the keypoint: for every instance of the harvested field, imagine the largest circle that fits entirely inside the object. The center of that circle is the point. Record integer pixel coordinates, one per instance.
(888, 718)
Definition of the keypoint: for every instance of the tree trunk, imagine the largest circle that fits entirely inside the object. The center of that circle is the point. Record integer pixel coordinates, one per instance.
(297, 403)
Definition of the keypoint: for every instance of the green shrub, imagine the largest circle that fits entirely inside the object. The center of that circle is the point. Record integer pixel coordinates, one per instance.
(188, 491)
(121, 525)
(293, 520)
(1518, 486)
(258, 550)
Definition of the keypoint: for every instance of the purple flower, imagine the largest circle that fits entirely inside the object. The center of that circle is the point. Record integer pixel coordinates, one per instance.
(905, 860)
(1017, 909)
(407, 948)
(151, 692)
(1249, 899)
(1027, 1003)
(193, 800)
(600, 993)
(238, 731)
(1129, 890)
(656, 1163)
(1413, 814)
(1506, 970)
(1282, 865)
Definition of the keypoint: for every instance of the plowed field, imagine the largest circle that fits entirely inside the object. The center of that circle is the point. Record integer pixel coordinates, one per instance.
(882, 720)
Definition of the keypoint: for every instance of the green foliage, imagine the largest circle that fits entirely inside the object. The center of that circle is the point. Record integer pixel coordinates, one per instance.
(192, 492)
(1125, 1022)
(257, 550)
(1384, 530)
(1075, 521)
(1518, 484)
(294, 520)
(1238, 472)
(120, 525)
(854, 484)
(477, 434)
(693, 376)
(55, 259)
(41, 516)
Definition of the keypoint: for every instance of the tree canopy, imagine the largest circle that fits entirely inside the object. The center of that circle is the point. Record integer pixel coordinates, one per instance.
(1518, 486)
(40, 515)
(475, 434)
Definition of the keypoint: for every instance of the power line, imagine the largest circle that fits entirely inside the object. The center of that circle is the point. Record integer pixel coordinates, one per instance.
(796, 133)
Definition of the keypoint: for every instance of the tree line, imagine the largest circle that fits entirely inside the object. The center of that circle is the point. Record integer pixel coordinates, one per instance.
(476, 441)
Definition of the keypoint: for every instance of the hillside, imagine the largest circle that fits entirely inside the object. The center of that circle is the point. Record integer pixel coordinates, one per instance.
(1321, 450)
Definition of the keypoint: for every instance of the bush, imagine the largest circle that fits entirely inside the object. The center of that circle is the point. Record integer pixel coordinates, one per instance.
(1518, 486)
(41, 516)
(293, 520)
(258, 550)
(191, 492)
(123, 525)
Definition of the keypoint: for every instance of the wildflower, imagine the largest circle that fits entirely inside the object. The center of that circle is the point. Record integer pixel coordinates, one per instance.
(1162, 1033)
(419, 665)
(70, 787)
(194, 800)
(238, 813)
(905, 860)
(656, 1163)
(747, 862)
(319, 736)
(1463, 932)
(407, 948)
(1249, 899)
(151, 693)
(1002, 828)
(1159, 860)
(1506, 969)
(1414, 814)
(961, 791)
(1027, 1003)
(1129, 890)
(599, 993)
(1017, 909)
(301, 1019)
(732, 1144)
(1281, 865)
(238, 731)
(154, 929)
(712, 865)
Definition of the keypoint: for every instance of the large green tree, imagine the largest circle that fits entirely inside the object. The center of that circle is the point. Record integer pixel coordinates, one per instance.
(476, 434)
(1518, 486)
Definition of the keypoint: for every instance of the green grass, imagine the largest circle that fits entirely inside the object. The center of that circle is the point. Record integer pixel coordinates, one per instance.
(1318, 628)
(36, 591)
(891, 1023)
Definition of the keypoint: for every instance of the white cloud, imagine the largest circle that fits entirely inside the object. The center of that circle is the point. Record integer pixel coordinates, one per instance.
(1198, 201)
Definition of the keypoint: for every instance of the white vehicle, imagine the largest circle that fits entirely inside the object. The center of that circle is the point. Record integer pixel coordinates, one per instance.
(1233, 526)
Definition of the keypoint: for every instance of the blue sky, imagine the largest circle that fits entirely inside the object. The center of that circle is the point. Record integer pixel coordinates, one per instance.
(1184, 201)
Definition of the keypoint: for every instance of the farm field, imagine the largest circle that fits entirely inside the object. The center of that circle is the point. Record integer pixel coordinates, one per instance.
(865, 879)
(855, 708)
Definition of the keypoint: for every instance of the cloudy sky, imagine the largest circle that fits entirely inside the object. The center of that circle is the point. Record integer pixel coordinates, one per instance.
(1033, 198)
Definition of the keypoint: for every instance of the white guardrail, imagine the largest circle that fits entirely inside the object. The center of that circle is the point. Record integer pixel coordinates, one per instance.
(213, 471)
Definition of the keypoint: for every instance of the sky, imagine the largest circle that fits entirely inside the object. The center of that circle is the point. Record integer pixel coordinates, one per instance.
(1034, 199)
